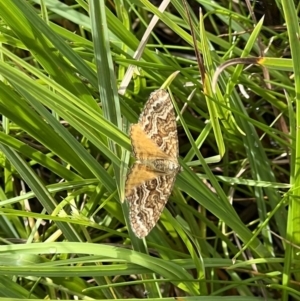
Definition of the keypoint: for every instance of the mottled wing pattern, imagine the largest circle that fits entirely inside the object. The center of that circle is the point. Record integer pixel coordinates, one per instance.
(142, 146)
(150, 181)
(159, 109)
(138, 174)
(147, 192)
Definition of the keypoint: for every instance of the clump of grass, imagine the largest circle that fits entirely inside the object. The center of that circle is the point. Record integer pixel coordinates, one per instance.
(230, 227)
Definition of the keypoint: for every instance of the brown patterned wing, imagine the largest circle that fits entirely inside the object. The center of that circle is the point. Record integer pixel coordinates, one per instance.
(142, 146)
(147, 193)
(137, 175)
(158, 121)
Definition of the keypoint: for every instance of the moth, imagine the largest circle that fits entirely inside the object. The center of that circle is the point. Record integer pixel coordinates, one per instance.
(150, 181)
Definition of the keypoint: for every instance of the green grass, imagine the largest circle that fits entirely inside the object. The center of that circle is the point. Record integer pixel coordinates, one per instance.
(231, 227)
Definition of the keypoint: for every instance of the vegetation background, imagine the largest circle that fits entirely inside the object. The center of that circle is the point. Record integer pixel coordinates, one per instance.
(231, 227)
